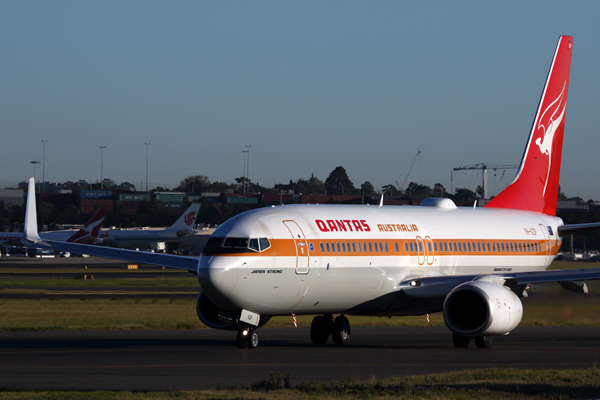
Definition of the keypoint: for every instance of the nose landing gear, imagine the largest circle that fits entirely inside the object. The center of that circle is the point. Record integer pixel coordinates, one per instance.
(247, 337)
(324, 325)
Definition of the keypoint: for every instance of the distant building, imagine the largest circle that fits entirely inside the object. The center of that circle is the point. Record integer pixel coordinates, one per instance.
(12, 197)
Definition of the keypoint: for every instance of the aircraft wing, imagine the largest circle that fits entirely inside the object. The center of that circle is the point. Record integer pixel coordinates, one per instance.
(163, 260)
(440, 286)
(32, 239)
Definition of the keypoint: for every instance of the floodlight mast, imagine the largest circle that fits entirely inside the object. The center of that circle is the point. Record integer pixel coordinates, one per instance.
(484, 167)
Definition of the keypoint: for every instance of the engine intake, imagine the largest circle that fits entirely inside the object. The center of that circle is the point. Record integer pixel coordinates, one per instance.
(481, 308)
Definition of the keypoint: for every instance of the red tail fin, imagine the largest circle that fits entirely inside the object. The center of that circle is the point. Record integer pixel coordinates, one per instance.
(91, 228)
(535, 187)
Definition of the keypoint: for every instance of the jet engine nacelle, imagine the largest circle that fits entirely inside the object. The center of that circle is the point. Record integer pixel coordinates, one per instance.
(214, 317)
(481, 308)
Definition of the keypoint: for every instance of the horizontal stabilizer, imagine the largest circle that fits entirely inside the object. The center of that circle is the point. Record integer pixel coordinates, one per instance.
(566, 230)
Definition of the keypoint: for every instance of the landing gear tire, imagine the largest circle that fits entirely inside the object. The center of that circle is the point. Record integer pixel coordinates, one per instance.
(483, 342)
(253, 340)
(241, 340)
(341, 330)
(462, 342)
(319, 330)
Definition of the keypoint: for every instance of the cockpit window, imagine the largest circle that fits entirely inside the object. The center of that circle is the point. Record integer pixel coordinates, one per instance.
(253, 245)
(264, 244)
(217, 245)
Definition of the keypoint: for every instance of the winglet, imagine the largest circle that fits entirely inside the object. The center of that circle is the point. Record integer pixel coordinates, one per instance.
(31, 228)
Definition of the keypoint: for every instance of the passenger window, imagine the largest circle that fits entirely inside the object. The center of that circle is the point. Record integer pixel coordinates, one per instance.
(435, 246)
(488, 247)
(343, 247)
(332, 247)
(322, 247)
(364, 247)
(353, 247)
(338, 247)
(253, 244)
(411, 248)
(397, 249)
(264, 244)
(429, 246)
(370, 247)
(504, 249)
(421, 247)
(386, 247)
(469, 246)
(406, 246)
(327, 245)
(359, 249)
(478, 246)
(376, 248)
(446, 246)
(380, 247)
(455, 250)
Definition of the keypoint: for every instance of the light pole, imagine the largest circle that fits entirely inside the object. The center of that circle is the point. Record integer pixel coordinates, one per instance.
(44, 169)
(147, 146)
(102, 167)
(34, 162)
(248, 169)
(244, 181)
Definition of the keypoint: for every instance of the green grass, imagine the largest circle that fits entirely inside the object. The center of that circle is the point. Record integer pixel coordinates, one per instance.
(470, 384)
(103, 314)
(175, 281)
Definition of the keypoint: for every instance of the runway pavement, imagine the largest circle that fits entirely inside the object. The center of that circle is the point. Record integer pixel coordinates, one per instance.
(203, 359)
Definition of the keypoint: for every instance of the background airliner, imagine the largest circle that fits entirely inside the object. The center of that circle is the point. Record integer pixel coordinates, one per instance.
(87, 234)
(144, 237)
(472, 264)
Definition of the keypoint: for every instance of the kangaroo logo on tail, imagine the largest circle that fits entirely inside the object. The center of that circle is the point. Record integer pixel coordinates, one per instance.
(552, 125)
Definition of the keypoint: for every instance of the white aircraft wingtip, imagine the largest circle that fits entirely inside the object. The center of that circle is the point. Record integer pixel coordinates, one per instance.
(31, 229)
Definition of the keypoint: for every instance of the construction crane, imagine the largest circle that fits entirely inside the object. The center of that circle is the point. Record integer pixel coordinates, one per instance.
(412, 164)
(484, 167)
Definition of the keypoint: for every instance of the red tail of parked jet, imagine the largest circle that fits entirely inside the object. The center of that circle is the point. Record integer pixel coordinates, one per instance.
(90, 230)
(535, 187)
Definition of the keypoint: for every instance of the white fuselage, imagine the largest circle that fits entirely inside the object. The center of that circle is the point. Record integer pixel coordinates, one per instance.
(17, 237)
(376, 248)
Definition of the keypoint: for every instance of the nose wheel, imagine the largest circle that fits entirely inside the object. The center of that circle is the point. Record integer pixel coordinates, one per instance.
(247, 338)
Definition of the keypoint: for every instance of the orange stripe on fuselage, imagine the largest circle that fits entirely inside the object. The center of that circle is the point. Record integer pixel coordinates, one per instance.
(468, 247)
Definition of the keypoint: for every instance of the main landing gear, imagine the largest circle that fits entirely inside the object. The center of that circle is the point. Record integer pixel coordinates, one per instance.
(482, 342)
(247, 337)
(324, 325)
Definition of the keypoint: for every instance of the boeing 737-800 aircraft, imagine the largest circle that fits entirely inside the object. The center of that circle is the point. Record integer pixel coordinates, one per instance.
(472, 264)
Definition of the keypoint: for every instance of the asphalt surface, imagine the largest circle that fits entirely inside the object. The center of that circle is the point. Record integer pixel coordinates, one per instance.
(205, 359)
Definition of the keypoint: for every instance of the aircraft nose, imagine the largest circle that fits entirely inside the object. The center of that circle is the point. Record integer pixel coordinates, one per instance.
(217, 276)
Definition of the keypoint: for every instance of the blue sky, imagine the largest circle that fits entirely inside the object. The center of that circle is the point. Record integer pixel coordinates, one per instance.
(309, 85)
